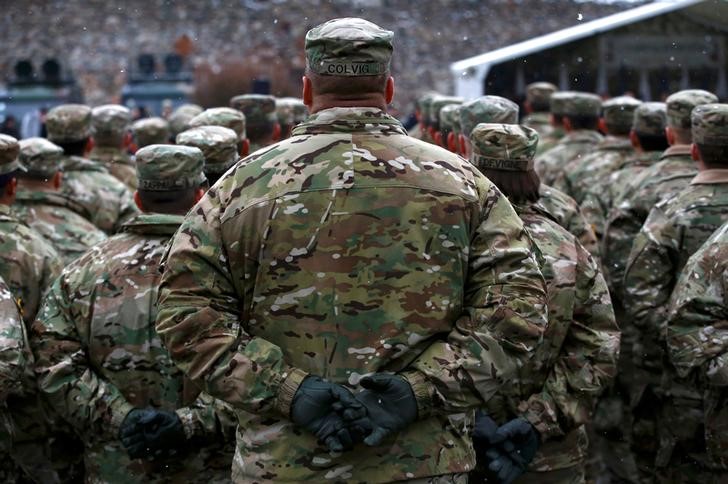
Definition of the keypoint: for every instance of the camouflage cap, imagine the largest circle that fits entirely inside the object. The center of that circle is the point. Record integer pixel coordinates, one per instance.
(487, 109)
(506, 147)
(300, 111)
(284, 112)
(438, 103)
(575, 103)
(163, 168)
(109, 123)
(180, 118)
(226, 117)
(450, 118)
(219, 146)
(423, 102)
(650, 119)
(40, 156)
(68, 123)
(9, 149)
(619, 111)
(259, 109)
(348, 47)
(710, 124)
(150, 131)
(681, 104)
(539, 93)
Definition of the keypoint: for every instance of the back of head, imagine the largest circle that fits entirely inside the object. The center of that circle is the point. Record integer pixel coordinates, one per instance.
(109, 124)
(260, 115)
(180, 118)
(69, 125)
(618, 114)
(648, 124)
(680, 105)
(504, 153)
(436, 106)
(709, 124)
(9, 163)
(150, 131)
(169, 177)
(219, 147)
(450, 119)
(487, 109)
(538, 96)
(581, 108)
(226, 117)
(423, 106)
(41, 158)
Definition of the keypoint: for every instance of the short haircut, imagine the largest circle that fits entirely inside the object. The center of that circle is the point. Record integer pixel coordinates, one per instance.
(73, 148)
(714, 155)
(618, 129)
(169, 201)
(652, 142)
(584, 122)
(347, 87)
(518, 186)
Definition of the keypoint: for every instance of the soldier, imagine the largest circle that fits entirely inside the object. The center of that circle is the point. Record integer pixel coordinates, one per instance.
(150, 131)
(537, 106)
(579, 114)
(227, 118)
(450, 126)
(674, 230)
(219, 147)
(581, 321)
(696, 344)
(44, 208)
(609, 155)
(290, 111)
(100, 363)
(422, 110)
(435, 107)
(105, 201)
(308, 237)
(109, 126)
(180, 119)
(260, 117)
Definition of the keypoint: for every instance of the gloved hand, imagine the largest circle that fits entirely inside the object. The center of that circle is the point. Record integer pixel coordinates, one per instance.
(517, 444)
(131, 433)
(313, 409)
(390, 404)
(484, 437)
(163, 432)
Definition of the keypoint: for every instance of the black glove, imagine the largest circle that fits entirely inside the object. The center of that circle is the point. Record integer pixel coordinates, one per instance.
(518, 442)
(484, 437)
(131, 433)
(390, 404)
(313, 409)
(163, 433)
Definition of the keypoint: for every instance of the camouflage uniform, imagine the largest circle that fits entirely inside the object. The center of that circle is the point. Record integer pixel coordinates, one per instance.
(435, 108)
(538, 95)
(574, 145)
(423, 105)
(219, 146)
(582, 336)
(104, 200)
(298, 262)
(226, 117)
(98, 356)
(487, 109)
(674, 230)
(290, 111)
(46, 210)
(259, 110)
(609, 156)
(180, 119)
(449, 122)
(151, 131)
(110, 124)
(697, 349)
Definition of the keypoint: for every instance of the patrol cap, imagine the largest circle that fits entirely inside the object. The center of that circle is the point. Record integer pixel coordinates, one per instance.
(650, 119)
(575, 103)
(226, 117)
(300, 111)
(9, 149)
(259, 109)
(68, 122)
(284, 112)
(505, 147)
(681, 104)
(348, 47)
(487, 109)
(618, 112)
(180, 118)
(710, 124)
(219, 146)
(450, 118)
(150, 131)
(538, 94)
(40, 156)
(109, 123)
(163, 168)
(423, 102)
(438, 103)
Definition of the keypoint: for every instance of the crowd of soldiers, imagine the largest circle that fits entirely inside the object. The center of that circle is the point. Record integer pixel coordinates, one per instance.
(261, 288)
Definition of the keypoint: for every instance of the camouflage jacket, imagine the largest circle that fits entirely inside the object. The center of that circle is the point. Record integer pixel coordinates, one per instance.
(105, 201)
(674, 230)
(118, 162)
(582, 344)
(697, 341)
(590, 171)
(28, 264)
(575, 145)
(565, 212)
(48, 213)
(14, 350)
(548, 135)
(98, 356)
(340, 252)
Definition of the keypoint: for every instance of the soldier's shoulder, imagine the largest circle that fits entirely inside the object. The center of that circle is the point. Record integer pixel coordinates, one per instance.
(557, 201)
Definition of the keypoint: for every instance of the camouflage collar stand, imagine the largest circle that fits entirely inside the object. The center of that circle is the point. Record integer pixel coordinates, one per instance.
(7, 214)
(350, 120)
(76, 163)
(154, 224)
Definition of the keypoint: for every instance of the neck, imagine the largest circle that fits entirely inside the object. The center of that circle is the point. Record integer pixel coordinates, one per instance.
(328, 101)
(36, 185)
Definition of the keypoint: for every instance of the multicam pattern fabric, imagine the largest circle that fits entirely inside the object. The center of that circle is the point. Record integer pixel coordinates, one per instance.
(109, 124)
(708, 124)
(103, 199)
(151, 131)
(226, 117)
(541, 122)
(539, 93)
(14, 349)
(180, 119)
(98, 357)
(48, 214)
(68, 122)
(507, 147)
(297, 263)
(118, 162)
(9, 149)
(487, 109)
(618, 112)
(680, 106)
(259, 109)
(170, 167)
(575, 103)
(565, 212)
(573, 146)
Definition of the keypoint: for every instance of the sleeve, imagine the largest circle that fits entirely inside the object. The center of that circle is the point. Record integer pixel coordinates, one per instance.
(623, 225)
(127, 209)
(198, 320)
(587, 361)
(595, 210)
(13, 347)
(503, 320)
(208, 420)
(91, 405)
(580, 228)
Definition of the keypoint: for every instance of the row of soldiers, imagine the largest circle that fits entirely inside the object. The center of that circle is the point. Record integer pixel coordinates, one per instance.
(648, 182)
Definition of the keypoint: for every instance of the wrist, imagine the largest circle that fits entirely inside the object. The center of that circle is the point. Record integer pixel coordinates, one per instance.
(119, 410)
(292, 379)
(542, 417)
(423, 391)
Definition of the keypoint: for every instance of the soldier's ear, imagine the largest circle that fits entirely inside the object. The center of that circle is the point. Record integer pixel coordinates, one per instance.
(57, 180)
(695, 153)
(276, 132)
(199, 193)
(461, 145)
(11, 188)
(138, 201)
(634, 139)
(244, 148)
(602, 126)
(89, 145)
(670, 135)
(389, 90)
(452, 142)
(307, 94)
(567, 124)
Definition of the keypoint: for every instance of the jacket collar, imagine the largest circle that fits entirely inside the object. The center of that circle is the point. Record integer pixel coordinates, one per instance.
(676, 150)
(153, 224)
(711, 177)
(350, 120)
